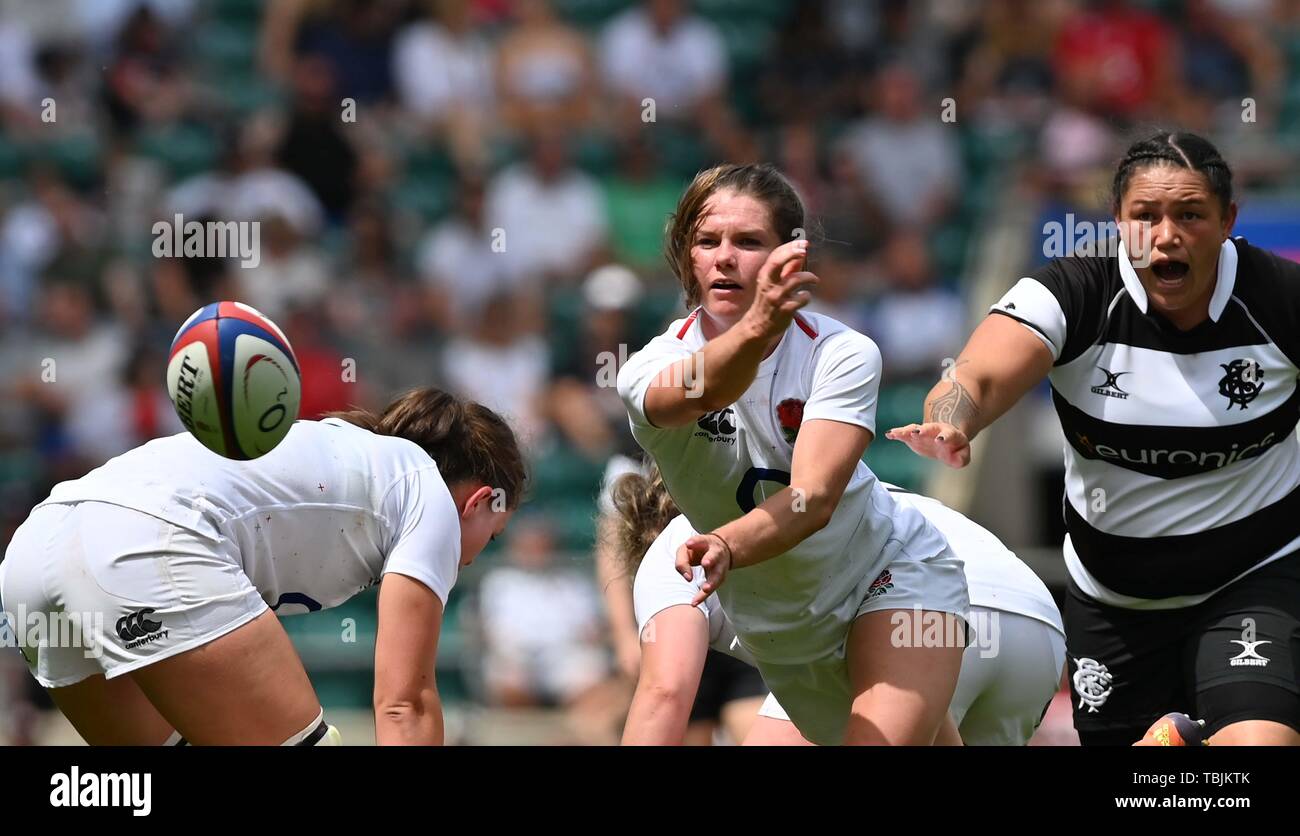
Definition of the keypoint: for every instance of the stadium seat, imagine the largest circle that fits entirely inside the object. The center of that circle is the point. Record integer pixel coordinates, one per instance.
(185, 149)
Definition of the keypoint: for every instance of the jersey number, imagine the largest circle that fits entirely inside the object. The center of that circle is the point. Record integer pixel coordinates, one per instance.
(745, 493)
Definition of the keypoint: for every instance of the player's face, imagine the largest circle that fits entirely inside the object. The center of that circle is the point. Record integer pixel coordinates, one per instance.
(734, 238)
(1187, 226)
(481, 520)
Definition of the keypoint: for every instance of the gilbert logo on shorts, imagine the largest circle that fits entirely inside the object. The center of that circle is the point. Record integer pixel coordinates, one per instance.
(1092, 683)
(137, 628)
(1249, 656)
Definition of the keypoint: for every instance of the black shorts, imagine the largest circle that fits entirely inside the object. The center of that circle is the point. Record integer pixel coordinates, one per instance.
(725, 678)
(1232, 657)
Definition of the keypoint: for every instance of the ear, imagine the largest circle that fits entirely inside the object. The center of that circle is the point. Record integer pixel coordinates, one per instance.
(1229, 219)
(475, 500)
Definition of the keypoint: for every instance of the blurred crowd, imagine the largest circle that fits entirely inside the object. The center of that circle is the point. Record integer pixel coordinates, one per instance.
(472, 193)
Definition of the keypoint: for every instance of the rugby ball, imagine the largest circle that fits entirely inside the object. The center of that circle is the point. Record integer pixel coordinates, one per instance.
(234, 380)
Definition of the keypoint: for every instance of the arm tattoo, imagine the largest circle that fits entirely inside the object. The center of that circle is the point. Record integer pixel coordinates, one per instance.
(956, 406)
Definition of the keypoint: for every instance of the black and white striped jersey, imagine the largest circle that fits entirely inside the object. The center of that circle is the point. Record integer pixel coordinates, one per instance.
(1182, 461)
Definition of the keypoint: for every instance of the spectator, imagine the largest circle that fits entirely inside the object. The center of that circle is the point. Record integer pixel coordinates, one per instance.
(442, 66)
(144, 84)
(74, 355)
(639, 196)
(544, 71)
(904, 157)
(356, 40)
(1121, 56)
(461, 262)
(501, 367)
(54, 221)
(915, 321)
(542, 629)
(552, 214)
(659, 51)
(810, 75)
(314, 146)
(289, 273)
(582, 400)
(106, 421)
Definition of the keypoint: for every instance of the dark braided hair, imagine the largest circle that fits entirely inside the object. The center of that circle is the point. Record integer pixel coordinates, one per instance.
(1176, 148)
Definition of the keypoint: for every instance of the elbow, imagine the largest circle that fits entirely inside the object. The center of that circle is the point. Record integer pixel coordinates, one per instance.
(818, 511)
(401, 706)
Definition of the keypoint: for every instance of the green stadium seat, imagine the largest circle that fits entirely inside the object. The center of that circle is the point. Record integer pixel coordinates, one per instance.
(78, 157)
(246, 12)
(590, 14)
(769, 12)
(427, 197)
(13, 159)
(185, 149)
(227, 47)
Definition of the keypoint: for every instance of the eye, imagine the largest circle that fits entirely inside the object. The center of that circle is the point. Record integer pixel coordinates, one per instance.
(705, 242)
(1190, 215)
(1143, 216)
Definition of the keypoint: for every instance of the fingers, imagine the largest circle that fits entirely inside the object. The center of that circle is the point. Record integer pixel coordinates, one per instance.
(776, 269)
(683, 561)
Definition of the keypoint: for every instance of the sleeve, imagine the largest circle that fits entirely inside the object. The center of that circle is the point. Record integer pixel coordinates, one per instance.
(1059, 303)
(426, 545)
(641, 369)
(658, 586)
(846, 381)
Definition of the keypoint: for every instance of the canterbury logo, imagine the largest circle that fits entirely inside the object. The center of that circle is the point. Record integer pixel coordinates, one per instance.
(718, 423)
(136, 625)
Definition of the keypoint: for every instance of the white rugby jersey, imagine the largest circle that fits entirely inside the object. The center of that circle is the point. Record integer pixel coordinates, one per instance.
(797, 606)
(318, 519)
(998, 579)
(1182, 461)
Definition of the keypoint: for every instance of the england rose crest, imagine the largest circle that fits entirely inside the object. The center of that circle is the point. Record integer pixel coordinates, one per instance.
(789, 413)
(882, 584)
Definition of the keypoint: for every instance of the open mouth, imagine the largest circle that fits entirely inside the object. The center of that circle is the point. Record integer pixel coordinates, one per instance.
(1170, 271)
(724, 284)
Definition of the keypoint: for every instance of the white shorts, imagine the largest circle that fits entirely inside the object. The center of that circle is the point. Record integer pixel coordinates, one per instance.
(818, 694)
(1002, 691)
(91, 588)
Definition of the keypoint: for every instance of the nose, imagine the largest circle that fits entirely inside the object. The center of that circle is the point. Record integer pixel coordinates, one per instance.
(1165, 233)
(724, 255)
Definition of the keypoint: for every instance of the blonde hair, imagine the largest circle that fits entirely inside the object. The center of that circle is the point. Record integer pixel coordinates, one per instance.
(643, 509)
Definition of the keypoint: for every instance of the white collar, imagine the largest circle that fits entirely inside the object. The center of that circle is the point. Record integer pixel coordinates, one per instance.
(1223, 285)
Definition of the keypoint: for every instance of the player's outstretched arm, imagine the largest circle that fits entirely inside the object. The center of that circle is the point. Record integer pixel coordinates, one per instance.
(716, 376)
(825, 456)
(408, 710)
(673, 647)
(1000, 363)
